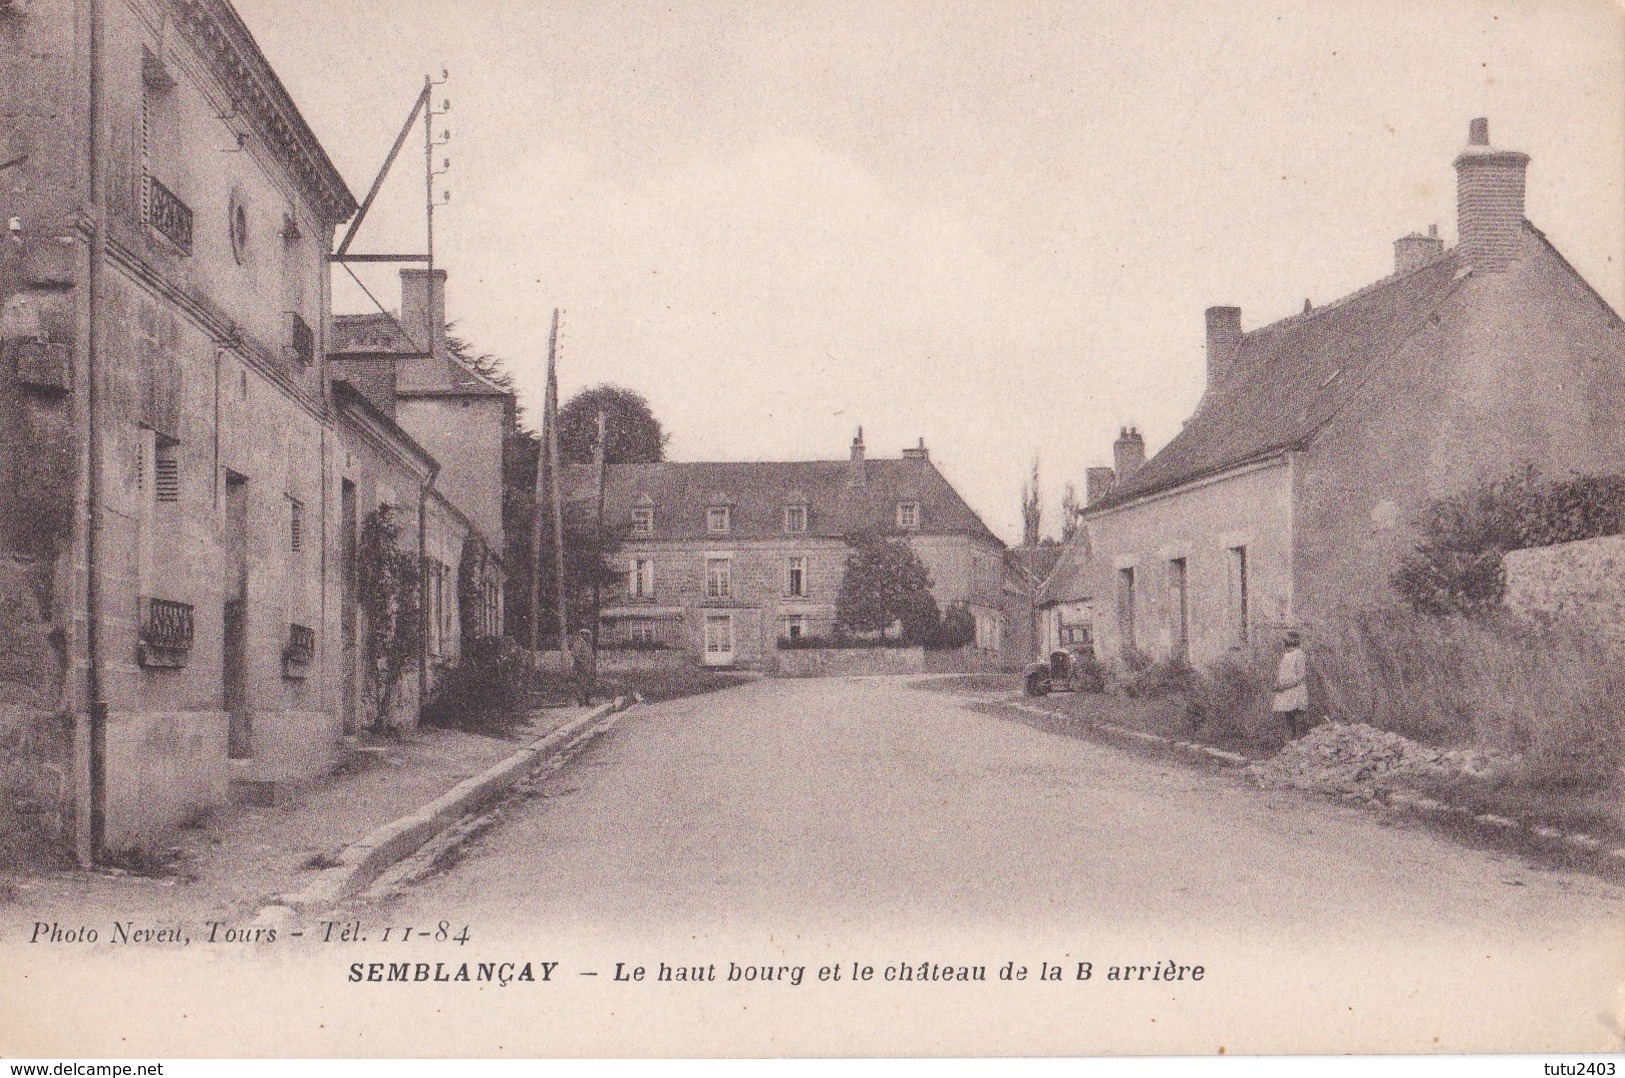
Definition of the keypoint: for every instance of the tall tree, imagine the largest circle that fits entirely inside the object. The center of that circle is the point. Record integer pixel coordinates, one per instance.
(632, 434)
(1031, 514)
(1069, 513)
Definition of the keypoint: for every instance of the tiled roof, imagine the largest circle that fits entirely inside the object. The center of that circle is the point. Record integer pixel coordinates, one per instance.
(758, 491)
(1292, 377)
(1069, 580)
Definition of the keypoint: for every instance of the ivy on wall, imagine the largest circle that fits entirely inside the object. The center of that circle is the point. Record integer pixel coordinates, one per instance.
(387, 578)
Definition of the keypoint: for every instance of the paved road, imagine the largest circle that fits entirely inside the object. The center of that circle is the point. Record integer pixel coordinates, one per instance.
(863, 819)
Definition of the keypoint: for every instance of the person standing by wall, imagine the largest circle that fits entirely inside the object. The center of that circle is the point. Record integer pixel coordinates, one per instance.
(1292, 686)
(583, 666)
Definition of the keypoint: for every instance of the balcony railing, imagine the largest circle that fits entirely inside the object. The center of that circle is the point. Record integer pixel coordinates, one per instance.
(300, 650)
(169, 215)
(166, 632)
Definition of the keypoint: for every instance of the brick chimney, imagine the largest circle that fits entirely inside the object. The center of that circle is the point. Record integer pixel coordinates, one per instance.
(1128, 452)
(1489, 200)
(423, 309)
(1097, 483)
(1414, 251)
(855, 473)
(917, 452)
(1223, 345)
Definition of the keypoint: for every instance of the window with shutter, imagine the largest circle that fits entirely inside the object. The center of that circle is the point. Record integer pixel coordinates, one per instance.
(166, 471)
(296, 524)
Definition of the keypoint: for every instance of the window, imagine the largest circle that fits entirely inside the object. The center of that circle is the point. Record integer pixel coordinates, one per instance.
(296, 524)
(1125, 611)
(719, 578)
(795, 518)
(1179, 605)
(640, 582)
(717, 520)
(161, 208)
(795, 584)
(640, 631)
(643, 520)
(166, 470)
(237, 227)
(1238, 592)
(908, 514)
(795, 626)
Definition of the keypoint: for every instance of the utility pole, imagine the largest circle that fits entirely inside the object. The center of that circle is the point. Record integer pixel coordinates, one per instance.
(552, 432)
(540, 493)
(599, 453)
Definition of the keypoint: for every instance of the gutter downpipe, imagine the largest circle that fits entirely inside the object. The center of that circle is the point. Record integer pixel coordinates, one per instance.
(94, 850)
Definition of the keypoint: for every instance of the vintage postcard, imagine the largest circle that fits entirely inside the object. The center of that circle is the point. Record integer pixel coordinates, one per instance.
(833, 529)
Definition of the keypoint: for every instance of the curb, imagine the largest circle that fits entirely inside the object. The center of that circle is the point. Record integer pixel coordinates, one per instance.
(1189, 748)
(1426, 807)
(366, 859)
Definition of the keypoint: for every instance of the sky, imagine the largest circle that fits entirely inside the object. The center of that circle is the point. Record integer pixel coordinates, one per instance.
(995, 226)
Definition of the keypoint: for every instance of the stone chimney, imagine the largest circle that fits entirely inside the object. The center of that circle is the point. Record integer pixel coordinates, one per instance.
(1223, 346)
(1489, 200)
(423, 309)
(1128, 452)
(1097, 483)
(855, 473)
(917, 452)
(1416, 250)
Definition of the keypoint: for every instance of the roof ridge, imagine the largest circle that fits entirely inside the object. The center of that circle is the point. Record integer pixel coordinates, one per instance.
(1358, 293)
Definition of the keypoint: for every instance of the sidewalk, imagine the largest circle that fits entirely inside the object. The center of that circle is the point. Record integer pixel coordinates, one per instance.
(243, 856)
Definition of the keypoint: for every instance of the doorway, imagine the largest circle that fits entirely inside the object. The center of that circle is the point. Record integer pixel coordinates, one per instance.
(719, 640)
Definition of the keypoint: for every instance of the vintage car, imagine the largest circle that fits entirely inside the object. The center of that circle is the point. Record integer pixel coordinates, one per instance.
(1070, 669)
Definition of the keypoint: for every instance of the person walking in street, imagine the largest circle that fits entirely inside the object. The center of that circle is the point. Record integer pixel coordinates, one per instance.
(583, 666)
(1292, 686)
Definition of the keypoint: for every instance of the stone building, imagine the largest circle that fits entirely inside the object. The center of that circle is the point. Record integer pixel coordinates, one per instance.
(1293, 487)
(401, 365)
(184, 472)
(724, 559)
(1065, 606)
(167, 552)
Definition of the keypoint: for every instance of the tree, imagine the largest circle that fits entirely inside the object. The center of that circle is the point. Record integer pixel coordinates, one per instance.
(885, 584)
(632, 435)
(1031, 513)
(387, 578)
(1069, 513)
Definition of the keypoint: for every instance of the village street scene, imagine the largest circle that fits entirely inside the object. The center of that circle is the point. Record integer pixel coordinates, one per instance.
(904, 480)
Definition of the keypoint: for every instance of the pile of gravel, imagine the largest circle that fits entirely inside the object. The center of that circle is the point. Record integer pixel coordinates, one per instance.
(1342, 758)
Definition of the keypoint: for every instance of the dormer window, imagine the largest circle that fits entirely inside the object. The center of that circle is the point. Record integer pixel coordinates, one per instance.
(795, 518)
(643, 520)
(718, 520)
(908, 515)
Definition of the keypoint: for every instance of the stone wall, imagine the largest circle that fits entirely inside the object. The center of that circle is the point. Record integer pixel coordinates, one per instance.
(850, 662)
(1581, 584)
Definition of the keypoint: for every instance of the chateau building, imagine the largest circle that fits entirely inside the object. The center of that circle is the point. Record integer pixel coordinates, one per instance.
(723, 560)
